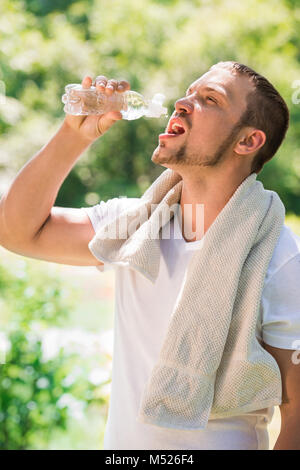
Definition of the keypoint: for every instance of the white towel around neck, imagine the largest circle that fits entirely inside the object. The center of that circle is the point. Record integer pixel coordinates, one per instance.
(211, 364)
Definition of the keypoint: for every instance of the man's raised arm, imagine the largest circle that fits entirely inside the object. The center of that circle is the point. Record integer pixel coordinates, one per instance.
(29, 224)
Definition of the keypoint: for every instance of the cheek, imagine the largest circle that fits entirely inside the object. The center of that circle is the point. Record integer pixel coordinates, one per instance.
(204, 133)
(207, 137)
(212, 128)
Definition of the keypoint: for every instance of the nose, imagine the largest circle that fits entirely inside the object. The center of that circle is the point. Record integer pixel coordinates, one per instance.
(183, 105)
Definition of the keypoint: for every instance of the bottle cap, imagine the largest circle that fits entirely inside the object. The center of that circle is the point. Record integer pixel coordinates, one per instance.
(155, 108)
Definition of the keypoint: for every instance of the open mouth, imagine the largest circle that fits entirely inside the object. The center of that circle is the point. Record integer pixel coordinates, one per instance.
(174, 129)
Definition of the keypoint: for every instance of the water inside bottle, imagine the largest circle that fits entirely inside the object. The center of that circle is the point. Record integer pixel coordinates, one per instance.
(132, 105)
(136, 106)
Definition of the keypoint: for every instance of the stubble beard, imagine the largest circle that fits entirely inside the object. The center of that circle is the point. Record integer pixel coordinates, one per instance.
(183, 157)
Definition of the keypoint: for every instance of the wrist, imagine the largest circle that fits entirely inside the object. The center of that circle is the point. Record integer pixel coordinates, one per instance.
(77, 138)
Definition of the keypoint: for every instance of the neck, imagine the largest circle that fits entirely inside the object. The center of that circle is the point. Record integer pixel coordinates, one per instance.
(204, 194)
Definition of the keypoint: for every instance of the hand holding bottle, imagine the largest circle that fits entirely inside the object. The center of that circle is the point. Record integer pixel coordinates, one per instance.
(91, 126)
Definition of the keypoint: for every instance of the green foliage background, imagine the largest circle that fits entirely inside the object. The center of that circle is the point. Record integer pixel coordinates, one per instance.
(39, 393)
(159, 46)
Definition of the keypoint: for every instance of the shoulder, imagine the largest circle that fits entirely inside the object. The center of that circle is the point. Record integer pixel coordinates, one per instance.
(106, 211)
(287, 251)
(281, 293)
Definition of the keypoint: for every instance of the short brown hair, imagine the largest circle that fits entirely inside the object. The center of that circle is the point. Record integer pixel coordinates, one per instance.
(266, 110)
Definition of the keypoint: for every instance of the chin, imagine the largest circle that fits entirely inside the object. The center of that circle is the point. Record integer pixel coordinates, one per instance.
(159, 157)
(156, 156)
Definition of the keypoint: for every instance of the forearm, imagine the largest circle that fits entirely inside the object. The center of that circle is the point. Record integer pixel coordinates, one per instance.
(287, 442)
(289, 437)
(27, 204)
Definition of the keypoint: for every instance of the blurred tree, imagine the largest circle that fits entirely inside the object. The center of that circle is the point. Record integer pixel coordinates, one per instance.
(37, 393)
(158, 46)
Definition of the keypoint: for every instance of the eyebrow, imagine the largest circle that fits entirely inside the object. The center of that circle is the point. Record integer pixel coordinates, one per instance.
(219, 90)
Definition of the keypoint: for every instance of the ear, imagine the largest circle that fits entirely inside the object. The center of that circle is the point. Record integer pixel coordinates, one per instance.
(250, 141)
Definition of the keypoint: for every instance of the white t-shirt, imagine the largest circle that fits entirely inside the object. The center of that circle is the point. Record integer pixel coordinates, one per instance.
(142, 314)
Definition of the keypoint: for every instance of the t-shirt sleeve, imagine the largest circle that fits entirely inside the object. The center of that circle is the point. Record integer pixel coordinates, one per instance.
(105, 212)
(281, 307)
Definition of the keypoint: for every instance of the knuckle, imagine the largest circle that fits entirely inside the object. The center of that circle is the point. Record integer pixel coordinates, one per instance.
(112, 82)
(101, 78)
(124, 83)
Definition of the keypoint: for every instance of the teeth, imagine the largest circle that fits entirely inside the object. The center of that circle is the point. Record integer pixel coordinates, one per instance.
(175, 128)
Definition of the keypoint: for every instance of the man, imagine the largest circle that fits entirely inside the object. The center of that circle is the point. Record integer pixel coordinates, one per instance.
(229, 124)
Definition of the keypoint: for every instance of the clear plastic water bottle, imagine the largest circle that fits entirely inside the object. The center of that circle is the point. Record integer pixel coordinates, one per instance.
(132, 105)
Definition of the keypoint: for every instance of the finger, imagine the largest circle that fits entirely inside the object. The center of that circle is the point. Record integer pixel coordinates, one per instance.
(114, 115)
(100, 82)
(107, 120)
(111, 86)
(86, 82)
(123, 85)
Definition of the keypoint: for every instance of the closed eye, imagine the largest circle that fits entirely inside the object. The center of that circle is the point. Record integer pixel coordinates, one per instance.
(211, 99)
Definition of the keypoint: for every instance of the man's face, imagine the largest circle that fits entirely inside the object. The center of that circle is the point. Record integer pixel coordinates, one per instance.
(207, 114)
